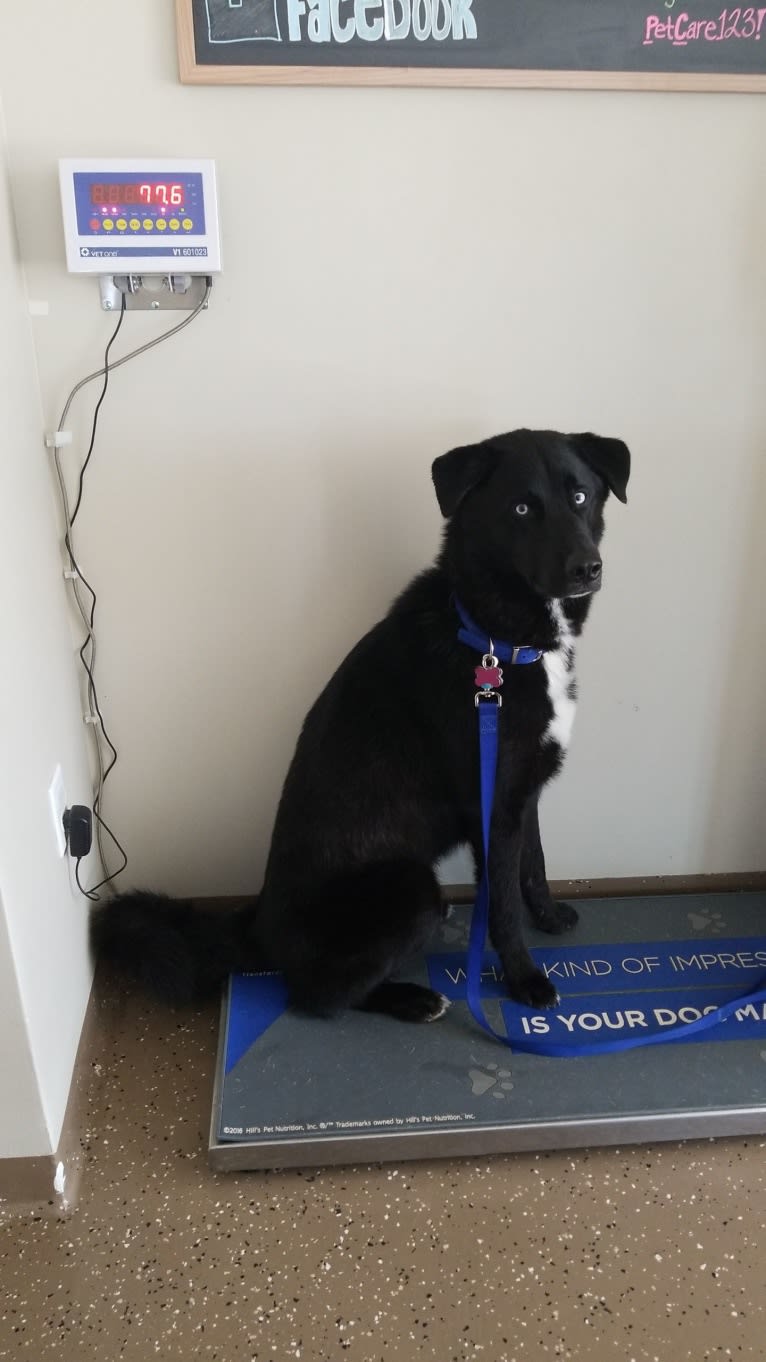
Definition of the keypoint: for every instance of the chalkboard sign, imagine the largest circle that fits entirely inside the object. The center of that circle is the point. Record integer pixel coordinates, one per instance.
(597, 44)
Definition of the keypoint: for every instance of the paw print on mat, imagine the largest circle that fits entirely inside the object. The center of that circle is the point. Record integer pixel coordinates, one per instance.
(709, 922)
(490, 1079)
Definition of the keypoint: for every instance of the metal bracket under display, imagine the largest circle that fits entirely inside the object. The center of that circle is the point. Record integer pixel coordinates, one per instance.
(153, 293)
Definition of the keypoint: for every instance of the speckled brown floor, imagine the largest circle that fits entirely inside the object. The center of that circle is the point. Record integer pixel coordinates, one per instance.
(654, 1253)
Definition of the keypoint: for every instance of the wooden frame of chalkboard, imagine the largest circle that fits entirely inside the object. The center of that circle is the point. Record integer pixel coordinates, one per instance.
(684, 45)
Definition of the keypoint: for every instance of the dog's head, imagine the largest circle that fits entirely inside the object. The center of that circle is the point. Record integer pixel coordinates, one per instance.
(531, 505)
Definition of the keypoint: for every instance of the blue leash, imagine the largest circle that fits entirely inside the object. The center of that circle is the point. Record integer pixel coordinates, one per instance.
(488, 705)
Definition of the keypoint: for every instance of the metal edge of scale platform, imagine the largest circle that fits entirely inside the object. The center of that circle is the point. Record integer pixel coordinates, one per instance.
(480, 1142)
(225, 1156)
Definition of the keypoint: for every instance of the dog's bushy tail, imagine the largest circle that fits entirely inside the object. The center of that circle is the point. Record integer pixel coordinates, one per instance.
(175, 949)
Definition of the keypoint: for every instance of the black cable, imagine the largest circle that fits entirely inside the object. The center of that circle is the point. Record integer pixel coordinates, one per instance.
(92, 691)
(91, 893)
(89, 618)
(94, 427)
(93, 696)
(102, 395)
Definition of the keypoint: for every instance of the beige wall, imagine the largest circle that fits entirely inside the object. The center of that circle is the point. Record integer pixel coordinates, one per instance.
(23, 1128)
(405, 270)
(44, 968)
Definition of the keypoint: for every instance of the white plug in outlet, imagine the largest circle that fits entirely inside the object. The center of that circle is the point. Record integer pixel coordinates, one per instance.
(57, 801)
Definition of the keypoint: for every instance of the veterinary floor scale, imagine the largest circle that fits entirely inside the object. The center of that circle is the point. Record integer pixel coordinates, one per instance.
(292, 1091)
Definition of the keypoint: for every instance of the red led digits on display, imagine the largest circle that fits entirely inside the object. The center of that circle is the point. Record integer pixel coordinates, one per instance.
(166, 193)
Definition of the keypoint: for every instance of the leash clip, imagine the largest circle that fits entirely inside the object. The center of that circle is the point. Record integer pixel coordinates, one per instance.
(488, 695)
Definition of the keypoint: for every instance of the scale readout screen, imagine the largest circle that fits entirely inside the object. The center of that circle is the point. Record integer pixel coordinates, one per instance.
(138, 205)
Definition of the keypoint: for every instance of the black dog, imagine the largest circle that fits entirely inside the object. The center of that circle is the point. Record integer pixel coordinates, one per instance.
(385, 776)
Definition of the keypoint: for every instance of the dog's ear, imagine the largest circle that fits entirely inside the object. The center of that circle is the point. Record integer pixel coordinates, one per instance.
(456, 473)
(609, 458)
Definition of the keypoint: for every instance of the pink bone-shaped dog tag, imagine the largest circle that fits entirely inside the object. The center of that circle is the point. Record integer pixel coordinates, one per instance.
(489, 676)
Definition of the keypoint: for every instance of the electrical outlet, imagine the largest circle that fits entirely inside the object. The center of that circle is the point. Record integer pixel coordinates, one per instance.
(57, 801)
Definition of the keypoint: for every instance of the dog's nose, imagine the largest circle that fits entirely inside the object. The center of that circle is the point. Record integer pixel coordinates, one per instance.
(585, 573)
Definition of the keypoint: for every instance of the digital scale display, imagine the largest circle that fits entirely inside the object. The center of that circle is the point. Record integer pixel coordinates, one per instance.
(136, 204)
(149, 215)
(164, 192)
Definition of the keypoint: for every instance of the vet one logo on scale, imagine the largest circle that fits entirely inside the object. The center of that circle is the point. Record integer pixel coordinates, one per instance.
(340, 21)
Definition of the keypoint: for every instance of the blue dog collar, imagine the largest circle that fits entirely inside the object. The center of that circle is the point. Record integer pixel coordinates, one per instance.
(472, 635)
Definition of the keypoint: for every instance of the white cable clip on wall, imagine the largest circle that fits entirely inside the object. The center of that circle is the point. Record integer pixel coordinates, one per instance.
(147, 228)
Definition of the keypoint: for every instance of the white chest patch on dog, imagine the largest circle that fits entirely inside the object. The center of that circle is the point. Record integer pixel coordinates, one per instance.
(560, 675)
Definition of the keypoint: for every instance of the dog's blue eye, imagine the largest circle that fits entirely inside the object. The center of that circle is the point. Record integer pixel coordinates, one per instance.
(522, 508)
(580, 498)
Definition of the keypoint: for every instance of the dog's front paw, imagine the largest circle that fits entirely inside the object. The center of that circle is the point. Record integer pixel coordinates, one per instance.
(556, 918)
(534, 990)
(408, 1002)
